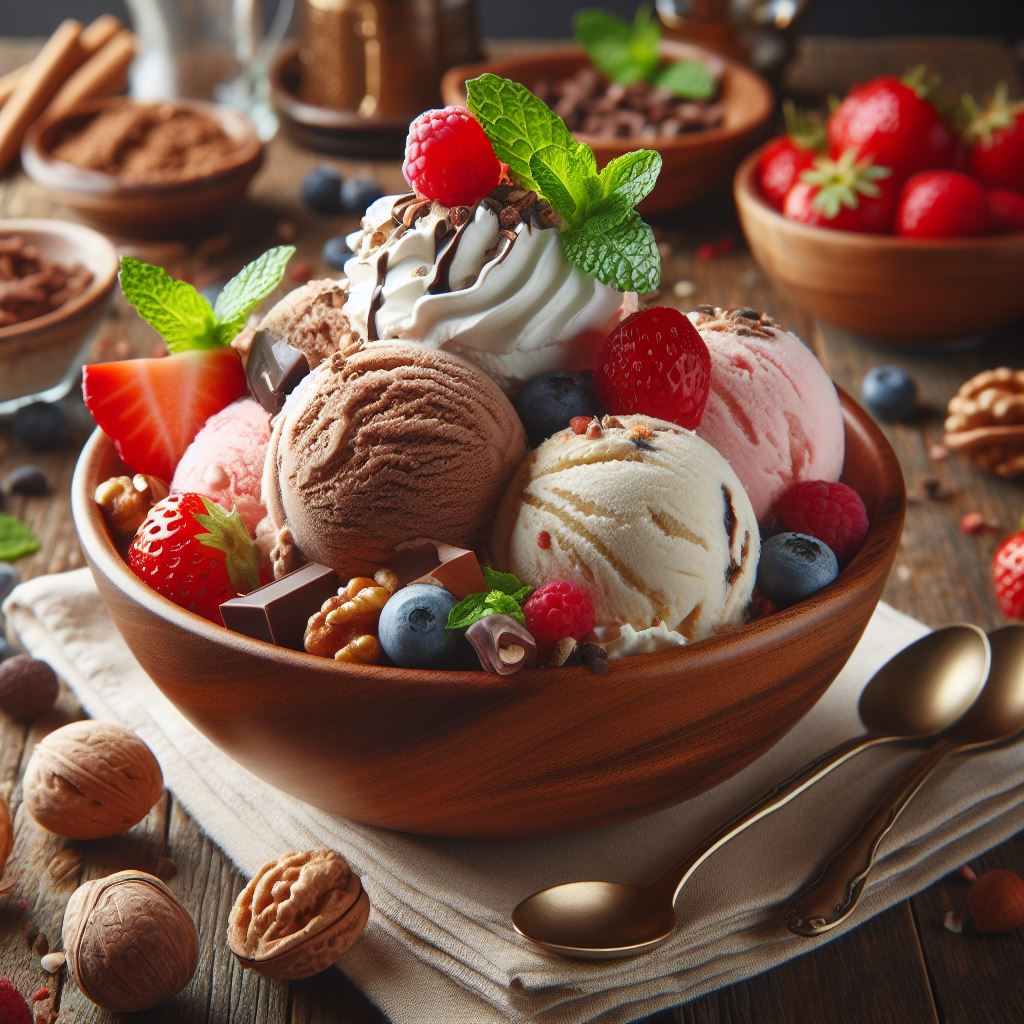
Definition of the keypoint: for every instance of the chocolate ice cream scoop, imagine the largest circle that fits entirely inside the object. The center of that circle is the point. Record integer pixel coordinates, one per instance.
(389, 444)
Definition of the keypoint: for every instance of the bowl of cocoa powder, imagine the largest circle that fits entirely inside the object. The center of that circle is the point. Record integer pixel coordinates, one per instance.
(700, 143)
(56, 279)
(155, 170)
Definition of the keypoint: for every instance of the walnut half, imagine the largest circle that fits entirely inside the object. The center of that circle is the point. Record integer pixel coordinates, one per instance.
(126, 500)
(985, 421)
(345, 628)
(298, 915)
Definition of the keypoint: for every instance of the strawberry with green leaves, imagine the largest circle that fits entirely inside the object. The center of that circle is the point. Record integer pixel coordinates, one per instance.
(995, 137)
(153, 408)
(195, 554)
(783, 159)
(848, 194)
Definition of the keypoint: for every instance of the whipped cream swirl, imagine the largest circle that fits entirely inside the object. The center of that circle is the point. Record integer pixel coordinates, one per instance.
(507, 300)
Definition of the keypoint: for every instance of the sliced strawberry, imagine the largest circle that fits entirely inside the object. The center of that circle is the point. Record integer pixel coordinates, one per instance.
(152, 408)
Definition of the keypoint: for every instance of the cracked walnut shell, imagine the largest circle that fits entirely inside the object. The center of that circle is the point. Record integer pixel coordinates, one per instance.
(985, 421)
(298, 915)
(89, 780)
(130, 944)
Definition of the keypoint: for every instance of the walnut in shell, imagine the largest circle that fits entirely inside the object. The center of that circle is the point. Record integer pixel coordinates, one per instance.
(985, 421)
(6, 834)
(89, 780)
(298, 915)
(130, 944)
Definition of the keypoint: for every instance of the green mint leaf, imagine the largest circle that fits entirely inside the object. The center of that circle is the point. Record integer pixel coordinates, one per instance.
(522, 594)
(517, 123)
(624, 53)
(16, 539)
(631, 175)
(248, 288)
(466, 612)
(180, 315)
(624, 257)
(645, 40)
(690, 79)
(497, 603)
(506, 582)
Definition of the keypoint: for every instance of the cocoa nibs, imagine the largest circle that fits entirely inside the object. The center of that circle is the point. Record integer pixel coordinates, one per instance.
(32, 285)
(589, 103)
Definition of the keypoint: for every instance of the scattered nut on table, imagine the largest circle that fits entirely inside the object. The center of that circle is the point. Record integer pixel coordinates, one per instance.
(298, 915)
(125, 501)
(6, 834)
(89, 780)
(996, 901)
(985, 421)
(130, 945)
(28, 687)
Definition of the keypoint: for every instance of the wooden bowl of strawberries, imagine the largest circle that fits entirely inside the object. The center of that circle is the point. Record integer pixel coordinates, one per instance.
(897, 226)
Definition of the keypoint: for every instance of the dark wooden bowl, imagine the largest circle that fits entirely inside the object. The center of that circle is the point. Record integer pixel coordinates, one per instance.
(694, 164)
(477, 755)
(182, 209)
(898, 290)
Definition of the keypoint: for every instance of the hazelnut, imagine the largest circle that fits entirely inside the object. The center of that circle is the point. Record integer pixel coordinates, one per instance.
(126, 500)
(6, 834)
(28, 687)
(130, 945)
(298, 915)
(996, 901)
(89, 780)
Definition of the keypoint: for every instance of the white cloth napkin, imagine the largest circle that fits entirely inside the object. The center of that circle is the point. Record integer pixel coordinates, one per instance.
(439, 945)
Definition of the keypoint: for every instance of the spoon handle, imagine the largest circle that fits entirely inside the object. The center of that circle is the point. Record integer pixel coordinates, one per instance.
(834, 894)
(777, 797)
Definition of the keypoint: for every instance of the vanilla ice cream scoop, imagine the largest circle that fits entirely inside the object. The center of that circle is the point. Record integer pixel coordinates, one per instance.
(389, 444)
(503, 297)
(649, 519)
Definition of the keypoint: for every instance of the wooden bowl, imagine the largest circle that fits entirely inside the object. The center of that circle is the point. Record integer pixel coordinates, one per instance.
(896, 290)
(182, 209)
(41, 358)
(693, 164)
(477, 755)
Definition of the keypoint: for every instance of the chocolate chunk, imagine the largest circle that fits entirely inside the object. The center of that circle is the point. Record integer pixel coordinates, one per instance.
(503, 644)
(274, 368)
(442, 565)
(278, 612)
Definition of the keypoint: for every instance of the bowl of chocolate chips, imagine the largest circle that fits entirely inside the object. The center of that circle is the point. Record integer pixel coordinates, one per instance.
(624, 87)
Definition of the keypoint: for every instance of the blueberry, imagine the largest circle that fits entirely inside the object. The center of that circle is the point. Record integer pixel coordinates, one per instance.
(336, 252)
(794, 566)
(9, 579)
(889, 392)
(41, 426)
(412, 627)
(31, 481)
(547, 403)
(358, 193)
(321, 189)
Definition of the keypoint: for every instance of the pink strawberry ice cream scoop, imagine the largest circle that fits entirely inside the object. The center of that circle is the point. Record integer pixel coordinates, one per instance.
(225, 460)
(773, 411)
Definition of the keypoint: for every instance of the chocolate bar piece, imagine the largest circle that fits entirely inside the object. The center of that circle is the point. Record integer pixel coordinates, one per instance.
(278, 612)
(443, 565)
(274, 368)
(503, 644)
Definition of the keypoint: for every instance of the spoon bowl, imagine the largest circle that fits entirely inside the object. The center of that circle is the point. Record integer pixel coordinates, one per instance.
(998, 713)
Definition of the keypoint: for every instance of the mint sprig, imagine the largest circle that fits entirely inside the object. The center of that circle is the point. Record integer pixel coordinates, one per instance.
(183, 317)
(604, 236)
(505, 596)
(16, 539)
(629, 53)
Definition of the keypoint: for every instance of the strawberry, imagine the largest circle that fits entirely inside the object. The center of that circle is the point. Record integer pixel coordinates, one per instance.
(942, 204)
(995, 137)
(1006, 209)
(893, 122)
(1008, 576)
(152, 408)
(195, 553)
(848, 194)
(783, 158)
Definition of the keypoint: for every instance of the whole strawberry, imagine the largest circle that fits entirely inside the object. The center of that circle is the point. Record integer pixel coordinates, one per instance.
(785, 157)
(995, 137)
(1008, 575)
(195, 554)
(893, 122)
(13, 1008)
(656, 364)
(848, 194)
(1006, 209)
(829, 511)
(942, 204)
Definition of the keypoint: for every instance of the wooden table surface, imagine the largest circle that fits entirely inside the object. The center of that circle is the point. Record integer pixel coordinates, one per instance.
(902, 966)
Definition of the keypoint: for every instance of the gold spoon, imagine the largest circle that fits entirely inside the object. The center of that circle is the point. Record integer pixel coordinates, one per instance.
(996, 716)
(916, 694)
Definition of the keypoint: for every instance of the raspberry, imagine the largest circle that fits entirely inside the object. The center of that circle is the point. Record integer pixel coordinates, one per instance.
(657, 364)
(557, 610)
(449, 158)
(831, 512)
(13, 1008)
(1008, 575)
